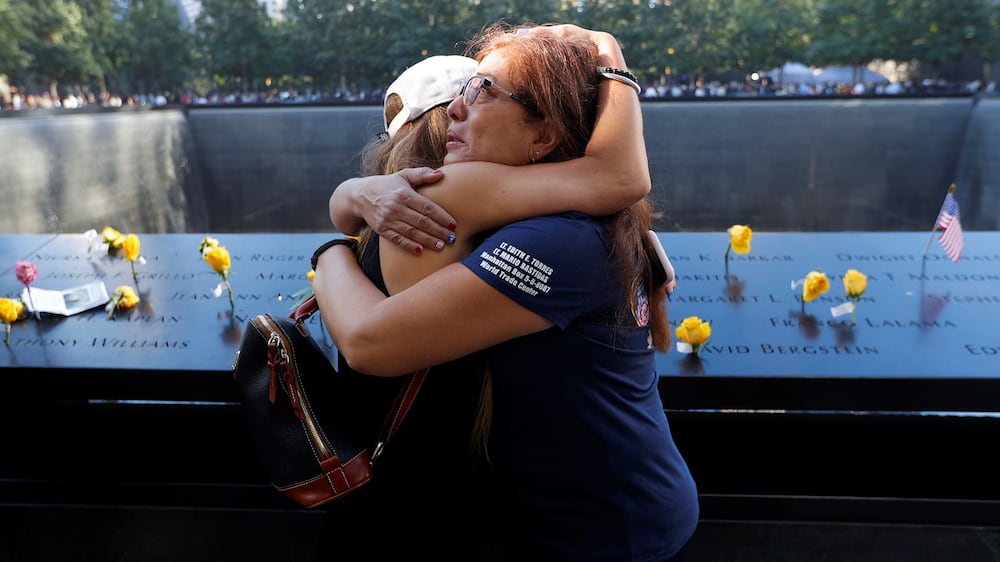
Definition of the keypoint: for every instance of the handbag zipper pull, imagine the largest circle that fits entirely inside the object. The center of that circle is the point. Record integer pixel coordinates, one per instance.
(377, 452)
(275, 356)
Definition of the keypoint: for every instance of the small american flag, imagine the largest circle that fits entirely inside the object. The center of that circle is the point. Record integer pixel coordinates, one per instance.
(951, 228)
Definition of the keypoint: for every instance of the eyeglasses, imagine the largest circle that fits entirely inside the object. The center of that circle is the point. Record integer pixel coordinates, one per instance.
(476, 84)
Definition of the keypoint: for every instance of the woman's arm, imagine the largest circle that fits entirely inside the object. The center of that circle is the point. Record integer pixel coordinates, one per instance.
(395, 336)
(612, 174)
(391, 206)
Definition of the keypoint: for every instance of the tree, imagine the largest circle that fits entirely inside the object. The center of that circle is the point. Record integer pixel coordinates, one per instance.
(627, 21)
(234, 38)
(330, 31)
(942, 31)
(56, 43)
(989, 45)
(153, 50)
(358, 45)
(854, 32)
(703, 29)
(102, 38)
(12, 58)
(771, 32)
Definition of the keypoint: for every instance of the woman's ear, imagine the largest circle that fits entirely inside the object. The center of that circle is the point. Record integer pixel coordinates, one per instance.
(547, 138)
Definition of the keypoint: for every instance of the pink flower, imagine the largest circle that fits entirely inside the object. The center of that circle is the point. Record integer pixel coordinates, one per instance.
(26, 272)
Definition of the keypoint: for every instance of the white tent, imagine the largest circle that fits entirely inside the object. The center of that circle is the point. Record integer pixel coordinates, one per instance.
(791, 72)
(849, 74)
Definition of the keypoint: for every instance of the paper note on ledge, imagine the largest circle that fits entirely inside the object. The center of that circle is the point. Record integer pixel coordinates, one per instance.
(66, 301)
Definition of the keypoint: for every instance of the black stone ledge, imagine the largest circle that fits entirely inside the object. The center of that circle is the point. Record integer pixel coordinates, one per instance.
(714, 507)
(27, 492)
(840, 394)
(829, 509)
(684, 393)
(209, 387)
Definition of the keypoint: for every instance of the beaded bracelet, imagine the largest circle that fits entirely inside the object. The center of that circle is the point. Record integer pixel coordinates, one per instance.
(623, 76)
(351, 243)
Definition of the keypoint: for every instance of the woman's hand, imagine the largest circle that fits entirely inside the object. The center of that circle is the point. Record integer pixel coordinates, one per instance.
(394, 209)
(607, 46)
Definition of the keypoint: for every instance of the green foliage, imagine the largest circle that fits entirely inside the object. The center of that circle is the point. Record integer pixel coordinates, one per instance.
(945, 31)
(350, 45)
(771, 32)
(54, 38)
(12, 58)
(705, 29)
(99, 29)
(156, 53)
(234, 38)
(848, 32)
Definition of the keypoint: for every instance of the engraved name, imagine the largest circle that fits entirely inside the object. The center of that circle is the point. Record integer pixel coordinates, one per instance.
(268, 257)
(282, 276)
(140, 343)
(793, 323)
(180, 296)
(956, 277)
(770, 349)
(717, 299)
(965, 299)
(142, 318)
(754, 257)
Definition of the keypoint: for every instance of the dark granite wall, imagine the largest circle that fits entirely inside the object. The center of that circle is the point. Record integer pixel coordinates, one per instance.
(979, 168)
(134, 170)
(779, 165)
(805, 165)
(273, 169)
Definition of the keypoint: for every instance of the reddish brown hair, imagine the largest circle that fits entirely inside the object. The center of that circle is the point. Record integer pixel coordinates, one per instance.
(559, 76)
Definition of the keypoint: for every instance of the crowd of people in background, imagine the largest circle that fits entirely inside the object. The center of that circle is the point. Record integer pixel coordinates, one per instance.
(715, 89)
(766, 87)
(44, 100)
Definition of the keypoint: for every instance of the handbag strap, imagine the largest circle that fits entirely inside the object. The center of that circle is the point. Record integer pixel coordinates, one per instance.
(404, 401)
(405, 398)
(305, 310)
(398, 412)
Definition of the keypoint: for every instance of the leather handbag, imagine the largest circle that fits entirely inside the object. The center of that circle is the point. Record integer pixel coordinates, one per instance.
(318, 430)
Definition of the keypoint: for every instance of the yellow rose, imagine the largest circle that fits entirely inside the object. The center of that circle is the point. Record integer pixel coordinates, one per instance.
(131, 247)
(126, 296)
(10, 310)
(816, 284)
(218, 258)
(694, 331)
(208, 243)
(739, 238)
(855, 283)
(112, 237)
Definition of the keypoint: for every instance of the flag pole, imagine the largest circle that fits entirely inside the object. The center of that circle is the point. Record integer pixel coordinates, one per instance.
(927, 247)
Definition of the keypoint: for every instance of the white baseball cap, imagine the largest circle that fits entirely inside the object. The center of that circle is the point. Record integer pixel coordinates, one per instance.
(429, 83)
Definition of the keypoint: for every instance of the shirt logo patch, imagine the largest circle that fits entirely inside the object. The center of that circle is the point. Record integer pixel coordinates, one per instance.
(641, 310)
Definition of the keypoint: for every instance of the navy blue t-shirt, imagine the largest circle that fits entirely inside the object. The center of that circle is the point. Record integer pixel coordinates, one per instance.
(579, 437)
